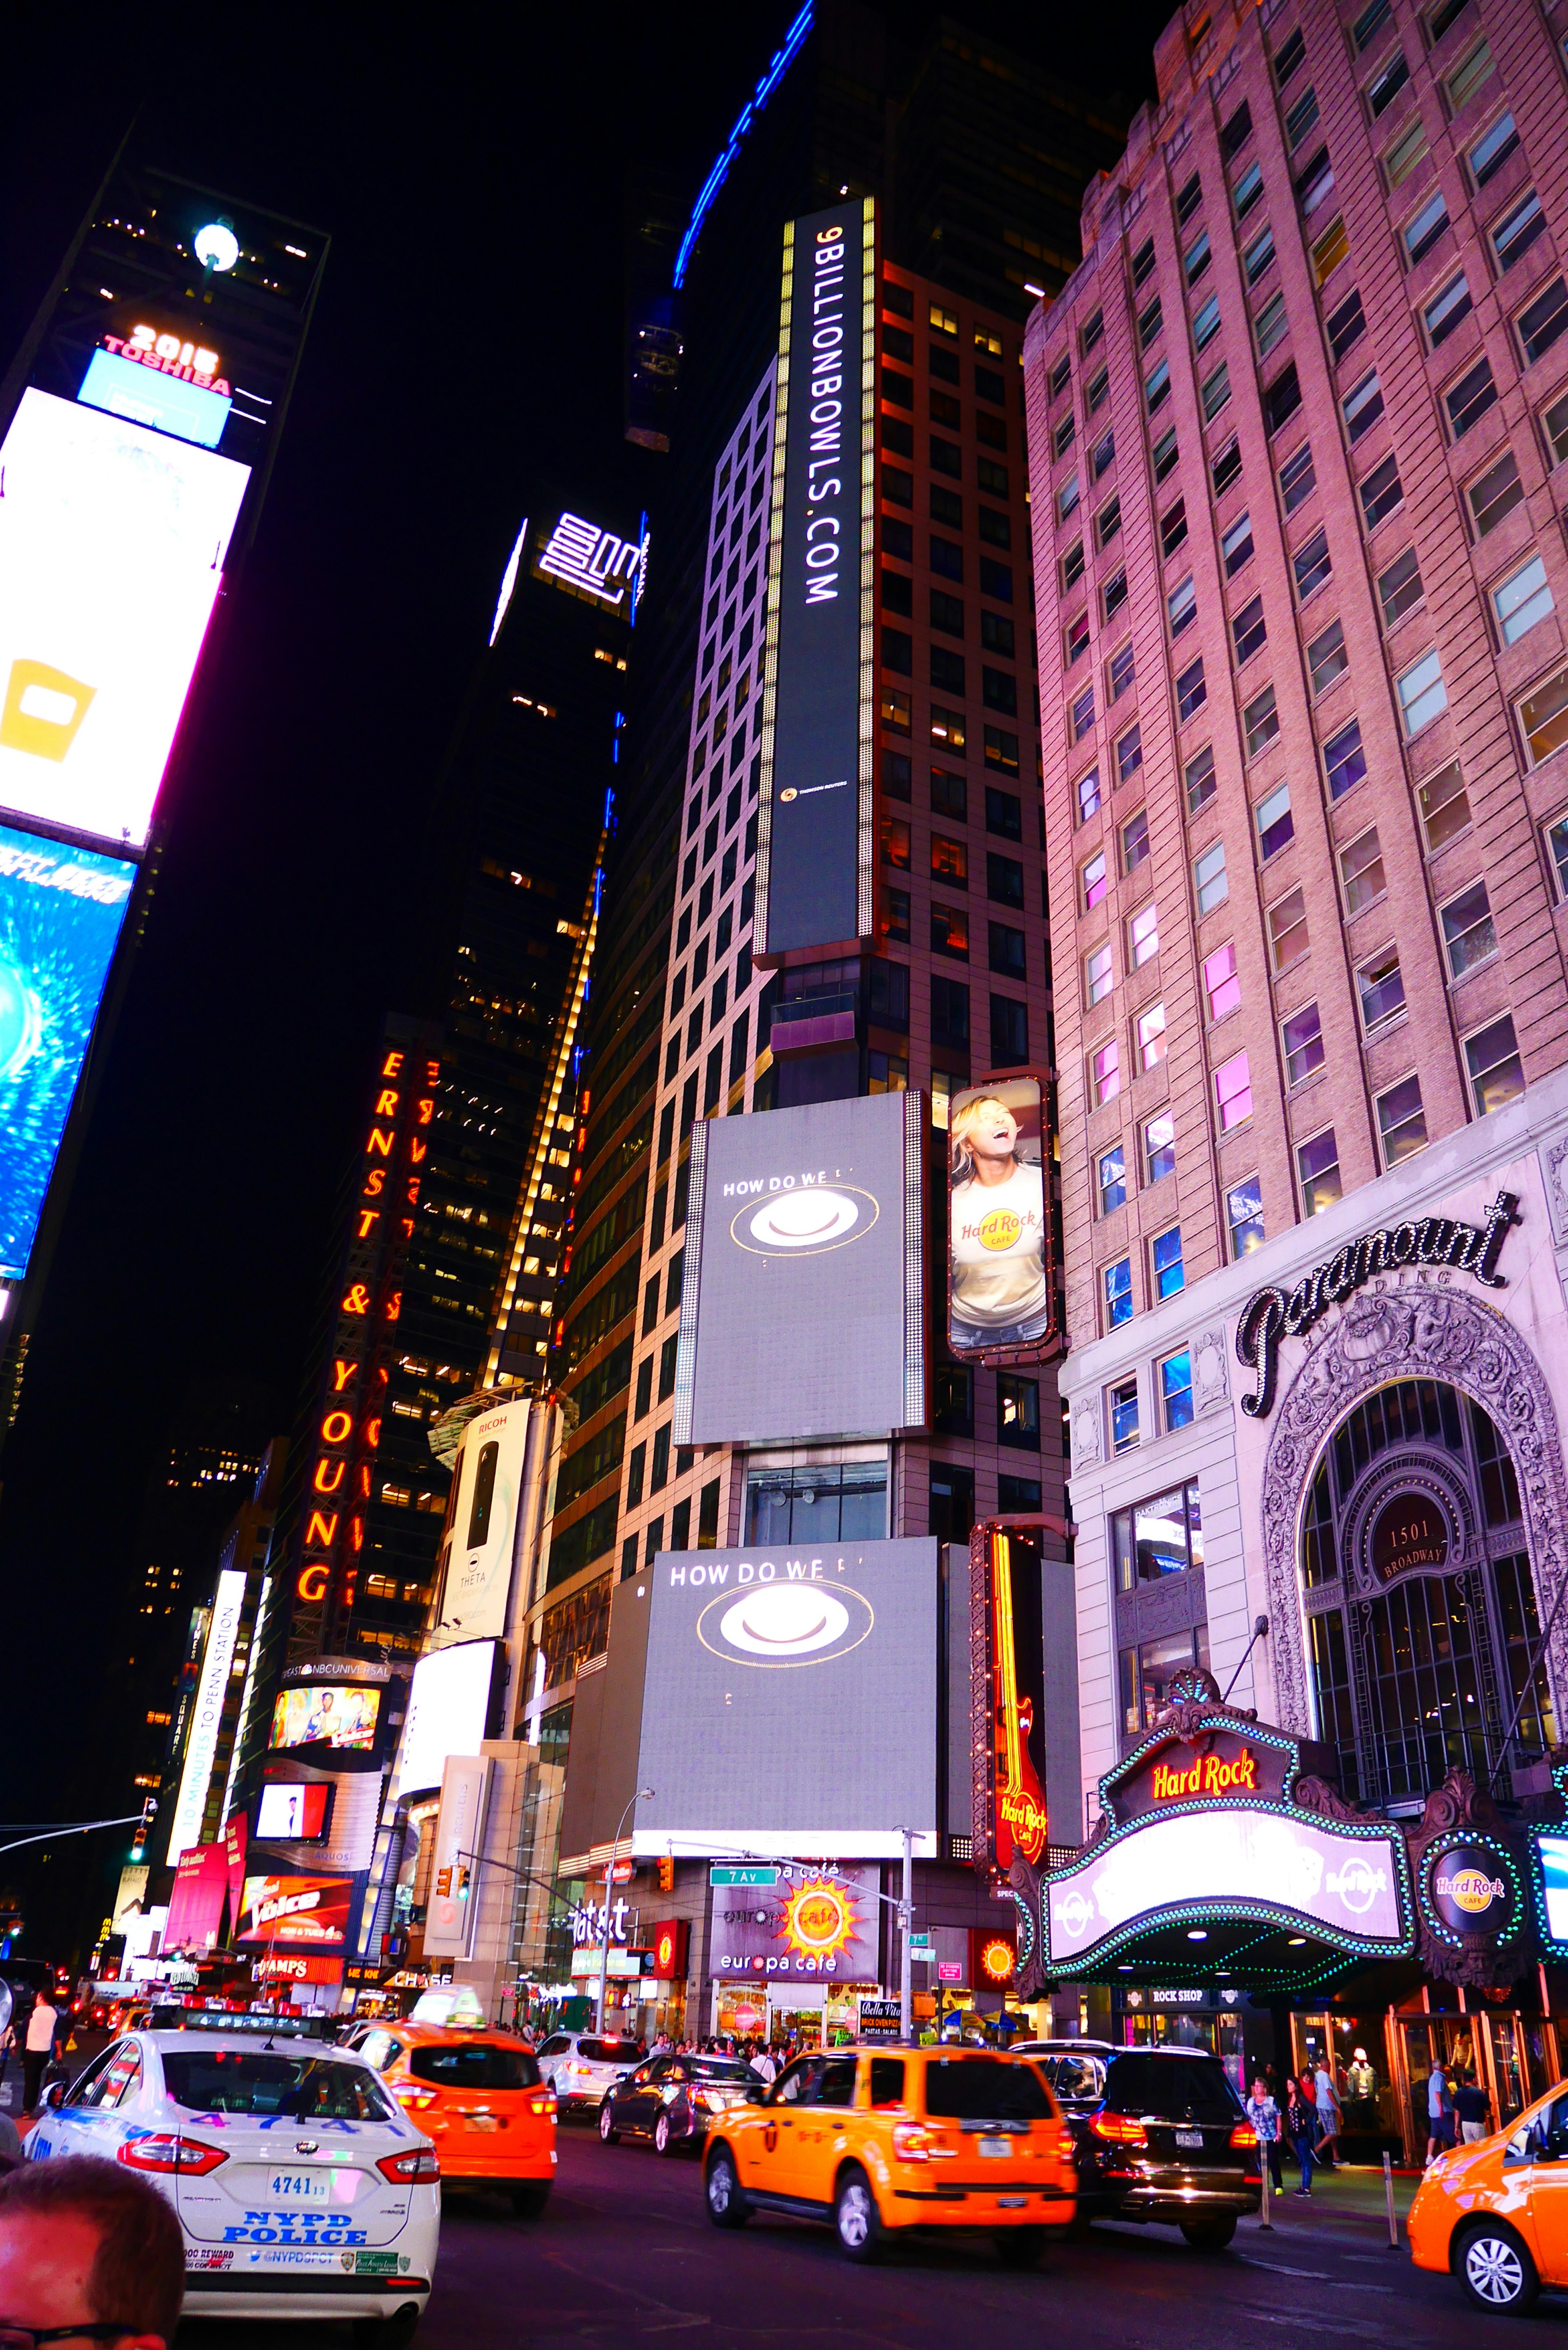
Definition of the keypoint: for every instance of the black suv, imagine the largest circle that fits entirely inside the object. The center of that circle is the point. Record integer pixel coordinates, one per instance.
(1159, 2134)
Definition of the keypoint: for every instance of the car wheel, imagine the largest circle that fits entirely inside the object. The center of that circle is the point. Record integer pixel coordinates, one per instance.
(528, 2203)
(856, 2217)
(727, 2206)
(1210, 2235)
(608, 2133)
(1020, 2248)
(663, 2141)
(1495, 2270)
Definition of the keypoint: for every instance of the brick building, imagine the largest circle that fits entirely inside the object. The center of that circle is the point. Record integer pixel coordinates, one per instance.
(1295, 427)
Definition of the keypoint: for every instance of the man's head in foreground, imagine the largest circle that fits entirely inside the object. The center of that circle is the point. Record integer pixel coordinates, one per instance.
(88, 2251)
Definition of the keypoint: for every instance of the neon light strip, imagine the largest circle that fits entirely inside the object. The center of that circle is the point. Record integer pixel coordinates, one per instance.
(778, 66)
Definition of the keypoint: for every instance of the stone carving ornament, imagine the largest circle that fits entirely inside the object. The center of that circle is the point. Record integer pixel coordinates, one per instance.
(1405, 1333)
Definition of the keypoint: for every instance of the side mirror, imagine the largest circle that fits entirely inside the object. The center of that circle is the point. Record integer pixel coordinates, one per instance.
(55, 2096)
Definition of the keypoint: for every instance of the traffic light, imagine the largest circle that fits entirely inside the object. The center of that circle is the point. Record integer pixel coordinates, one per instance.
(462, 1876)
(667, 1874)
(443, 1884)
(138, 1842)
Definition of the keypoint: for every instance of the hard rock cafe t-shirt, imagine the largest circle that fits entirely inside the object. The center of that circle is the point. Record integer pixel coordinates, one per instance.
(999, 1250)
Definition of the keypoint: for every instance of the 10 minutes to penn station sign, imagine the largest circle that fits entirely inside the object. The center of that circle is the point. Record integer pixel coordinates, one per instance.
(813, 863)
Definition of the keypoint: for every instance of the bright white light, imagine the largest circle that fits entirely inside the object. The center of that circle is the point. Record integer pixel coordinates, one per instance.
(1038, 291)
(216, 246)
(508, 581)
(223, 1631)
(1197, 1934)
(447, 1705)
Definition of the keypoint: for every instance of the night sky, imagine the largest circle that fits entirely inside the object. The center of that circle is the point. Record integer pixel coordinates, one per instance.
(468, 167)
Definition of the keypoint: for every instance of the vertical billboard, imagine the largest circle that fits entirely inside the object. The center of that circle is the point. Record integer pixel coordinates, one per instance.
(112, 542)
(207, 1713)
(487, 1492)
(803, 1227)
(813, 850)
(449, 1707)
(459, 1841)
(1007, 1697)
(789, 1700)
(1001, 1261)
(61, 911)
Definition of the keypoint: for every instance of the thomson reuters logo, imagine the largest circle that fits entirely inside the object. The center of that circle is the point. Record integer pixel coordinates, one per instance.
(1000, 1229)
(1472, 1890)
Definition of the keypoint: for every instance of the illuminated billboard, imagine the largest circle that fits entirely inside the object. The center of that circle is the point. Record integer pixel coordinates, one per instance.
(61, 910)
(815, 1925)
(813, 850)
(112, 542)
(301, 1912)
(790, 1700)
(207, 1714)
(127, 380)
(325, 1716)
(477, 1560)
(803, 1225)
(1553, 1852)
(999, 1259)
(448, 1705)
(293, 1811)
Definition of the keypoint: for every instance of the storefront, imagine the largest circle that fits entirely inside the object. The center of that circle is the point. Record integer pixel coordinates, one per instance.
(792, 1950)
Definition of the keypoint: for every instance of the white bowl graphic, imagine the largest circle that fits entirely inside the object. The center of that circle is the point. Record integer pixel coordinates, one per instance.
(805, 1220)
(785, 1620)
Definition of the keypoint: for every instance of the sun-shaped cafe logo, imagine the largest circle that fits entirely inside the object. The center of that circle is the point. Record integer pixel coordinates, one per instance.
(785, 1623)
(818, 1919)
(801, 1222)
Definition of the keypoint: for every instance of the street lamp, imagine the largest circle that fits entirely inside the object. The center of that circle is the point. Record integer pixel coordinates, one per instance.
(641, 1795)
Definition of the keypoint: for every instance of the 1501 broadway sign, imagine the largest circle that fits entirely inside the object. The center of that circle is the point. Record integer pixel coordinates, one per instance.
(790, 1702)
(1270, 1315)
(814, 848)
(803, 1307)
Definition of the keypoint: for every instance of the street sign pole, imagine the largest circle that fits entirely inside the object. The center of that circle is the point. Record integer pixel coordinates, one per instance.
(906, 1921)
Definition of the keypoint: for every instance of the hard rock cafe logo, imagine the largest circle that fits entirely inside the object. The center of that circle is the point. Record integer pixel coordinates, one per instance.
(1000, 1229)
(1209, 1774)
(1025, 1815)
(1075, 1913)
(1357, 1884)
(1472, 1889)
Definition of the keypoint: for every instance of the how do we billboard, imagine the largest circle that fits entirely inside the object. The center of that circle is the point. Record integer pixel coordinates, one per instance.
(805, 1226)
(790, 1701)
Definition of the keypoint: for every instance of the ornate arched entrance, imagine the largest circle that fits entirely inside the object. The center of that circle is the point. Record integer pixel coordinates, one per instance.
(1399, 1522)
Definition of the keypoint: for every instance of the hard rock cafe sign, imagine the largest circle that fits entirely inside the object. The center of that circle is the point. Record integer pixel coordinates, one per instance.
(1009, 1813)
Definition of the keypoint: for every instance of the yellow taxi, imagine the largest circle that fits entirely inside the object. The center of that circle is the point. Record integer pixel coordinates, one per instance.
(479, 2097)
(1495, 2213)
(874, 2140)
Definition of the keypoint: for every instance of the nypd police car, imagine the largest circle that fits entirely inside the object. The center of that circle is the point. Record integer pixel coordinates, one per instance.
(302, 2190)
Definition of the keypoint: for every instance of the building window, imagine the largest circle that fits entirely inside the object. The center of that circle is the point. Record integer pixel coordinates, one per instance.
(1173, 528)
(1191, 693)
(1087, 792)
(1298, 478)
(1067, 497)
(1215, 392)
(1156, 387)
(1009, 1032)
(1122, 1406)
(1236, 544)
(1113, 1180)
(1555, 421)
(1476, 67)
(1492, 149)
(1258, 254)
(894, 707)
(1276, 826)
(1205, 322)
(1403, 156)
(1181, 605)
(1199, 778)
(1345, 760)
(1247, 189)
(1381, 491)
(1095, 879)
(1557, 849)
(1164, 454)
(1135, 841)
(1445, 807)
(1249, 631)
(1176, 1391)
(825, 1502)
(1234, 1092)
(1166, 1258)
(1399, 588)
(1098, 975)
(1518, 230)
(1072, 566)
(1005, 948)
(1543, 717)
(1143, 936)
(1211, 886)
(1129, 754)
(1225, 469)
(1380, 985)
(1468, 400)
(1146, 1674)
(1401, 1121)
(1469, 935)
(1272, 324)
(1363, 406)
(950, 1012)
(1496, 1072)
(1082, 713)
(1288, 940)
(1327, 658)
(1117, 1290)
(1311, 566)
(1151, 1037)
(1018, 1412)
(1105, 1073)
(1444, 312)
(950, 931)
(1302, 1037)
(1317, 1169)
(1495, 495)
(1120, 674)
(1150, 324)
(1361, 871)
(1108, 523)
(1245, 1215)
(1421, 233)
(953, 1399)
(1522, 599)
(1541, 323)
(1159, 1147)
(1220, 982)
(1423, 696)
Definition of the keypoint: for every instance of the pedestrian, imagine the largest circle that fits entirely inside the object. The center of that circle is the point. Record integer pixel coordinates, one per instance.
(37, 2048)
(86, 2248)
(1300, 2124)
(1329, 2120)
(1472, 2109)
(1440, 2113)
(762, 2063)
(1264, 2116)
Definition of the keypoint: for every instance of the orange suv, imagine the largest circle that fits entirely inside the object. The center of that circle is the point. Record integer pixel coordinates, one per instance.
(479, 2097)
(876, 2141)
(1495, 2213)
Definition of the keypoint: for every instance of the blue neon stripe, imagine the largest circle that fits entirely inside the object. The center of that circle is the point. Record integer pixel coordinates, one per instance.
(778, 66)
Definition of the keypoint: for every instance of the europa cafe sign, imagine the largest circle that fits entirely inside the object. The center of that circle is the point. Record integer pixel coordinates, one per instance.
(1270, 1315)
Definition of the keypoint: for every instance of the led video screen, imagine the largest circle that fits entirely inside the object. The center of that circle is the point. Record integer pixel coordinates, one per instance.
(60, 915)
(999, 1220)
(113, 544)
(805, 1226)
(293, 1811)
(790, 1700)
(321, 1716)
(307, 1912)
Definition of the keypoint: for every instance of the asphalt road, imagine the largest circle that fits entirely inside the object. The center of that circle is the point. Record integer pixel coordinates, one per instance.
(626, 2253)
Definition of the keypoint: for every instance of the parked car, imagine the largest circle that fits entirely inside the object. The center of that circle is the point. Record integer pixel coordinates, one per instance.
(1159, 2134)
(1495, 2213)
(879, 2141)
(581, 2065)
(675, 2100)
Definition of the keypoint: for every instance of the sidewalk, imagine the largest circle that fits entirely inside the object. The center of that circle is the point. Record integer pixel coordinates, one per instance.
(1355, 2193)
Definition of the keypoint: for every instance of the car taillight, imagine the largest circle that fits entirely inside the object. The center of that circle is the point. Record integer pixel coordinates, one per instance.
(912, 2143)
(1118, 2129)
(165, 2150)
(540, 2104)
(418, 2098)
(1244, 2135)
(403, 2168)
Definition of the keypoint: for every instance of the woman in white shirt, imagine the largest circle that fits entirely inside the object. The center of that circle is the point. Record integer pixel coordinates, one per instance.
(998, 1232)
